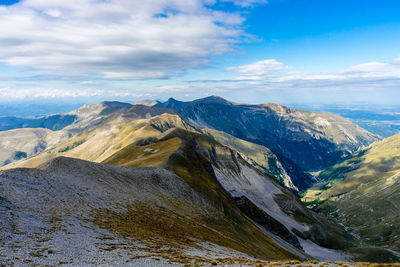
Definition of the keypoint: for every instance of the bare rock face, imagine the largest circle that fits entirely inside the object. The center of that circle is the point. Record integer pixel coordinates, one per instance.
(266, 221)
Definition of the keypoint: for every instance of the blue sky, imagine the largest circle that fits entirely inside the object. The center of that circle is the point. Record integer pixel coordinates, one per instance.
(285, 51)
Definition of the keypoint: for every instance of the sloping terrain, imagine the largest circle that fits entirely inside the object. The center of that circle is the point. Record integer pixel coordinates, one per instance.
(259, 156)
(363, 192)
(216, 172)
(111, 135)
(83, 213)
(9, 122)
(146, 102)
(109, 115)
(310, 140)
(52, 122)
(19, 144)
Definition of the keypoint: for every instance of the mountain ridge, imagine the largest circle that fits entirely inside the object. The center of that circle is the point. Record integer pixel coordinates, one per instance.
(264, 125)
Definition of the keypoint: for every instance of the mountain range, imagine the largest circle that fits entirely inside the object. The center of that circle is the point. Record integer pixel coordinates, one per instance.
(200, 182)
(301, 141)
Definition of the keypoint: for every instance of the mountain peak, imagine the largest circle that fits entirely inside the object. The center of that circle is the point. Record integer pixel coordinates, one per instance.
(171, 103)
(213, 99)
(172, 100)
(147, 102)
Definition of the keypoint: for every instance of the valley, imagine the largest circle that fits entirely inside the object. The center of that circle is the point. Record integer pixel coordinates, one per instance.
(362, 193)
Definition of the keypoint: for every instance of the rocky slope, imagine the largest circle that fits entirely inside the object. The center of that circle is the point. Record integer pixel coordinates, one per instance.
(258, 156)
(81, 213)
(363, 193)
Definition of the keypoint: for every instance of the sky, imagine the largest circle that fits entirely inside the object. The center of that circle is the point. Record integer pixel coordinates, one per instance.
(254, 51)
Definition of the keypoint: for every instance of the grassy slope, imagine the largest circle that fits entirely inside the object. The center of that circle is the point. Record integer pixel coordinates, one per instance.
(376, 162)
(183, 152)
(106, 140)
(155, 154)
(363, 192)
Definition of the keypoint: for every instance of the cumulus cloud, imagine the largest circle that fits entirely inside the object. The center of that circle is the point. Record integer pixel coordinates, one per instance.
(128, 39)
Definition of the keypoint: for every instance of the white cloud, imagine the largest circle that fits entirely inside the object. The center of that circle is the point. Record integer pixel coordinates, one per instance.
(396, 60)
(273, 72)
(116, 38)
(246, 3)
(259, 70)
(49, 93)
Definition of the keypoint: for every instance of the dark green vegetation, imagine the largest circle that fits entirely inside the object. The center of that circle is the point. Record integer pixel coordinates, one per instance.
(75, 144)
(20, 155)
(374, 255)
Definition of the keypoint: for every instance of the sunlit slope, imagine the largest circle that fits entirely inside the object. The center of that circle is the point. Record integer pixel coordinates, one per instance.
(113, 212)
(289, 141)
(19, 144)
(379, 161)
(145, 155)
(363, 192)
(114, 136)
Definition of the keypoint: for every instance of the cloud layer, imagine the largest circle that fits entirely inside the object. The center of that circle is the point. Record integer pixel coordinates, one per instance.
(272, 72)
(116, 38)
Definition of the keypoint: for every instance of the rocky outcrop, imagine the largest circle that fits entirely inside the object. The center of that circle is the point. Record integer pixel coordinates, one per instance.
(266, 221)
